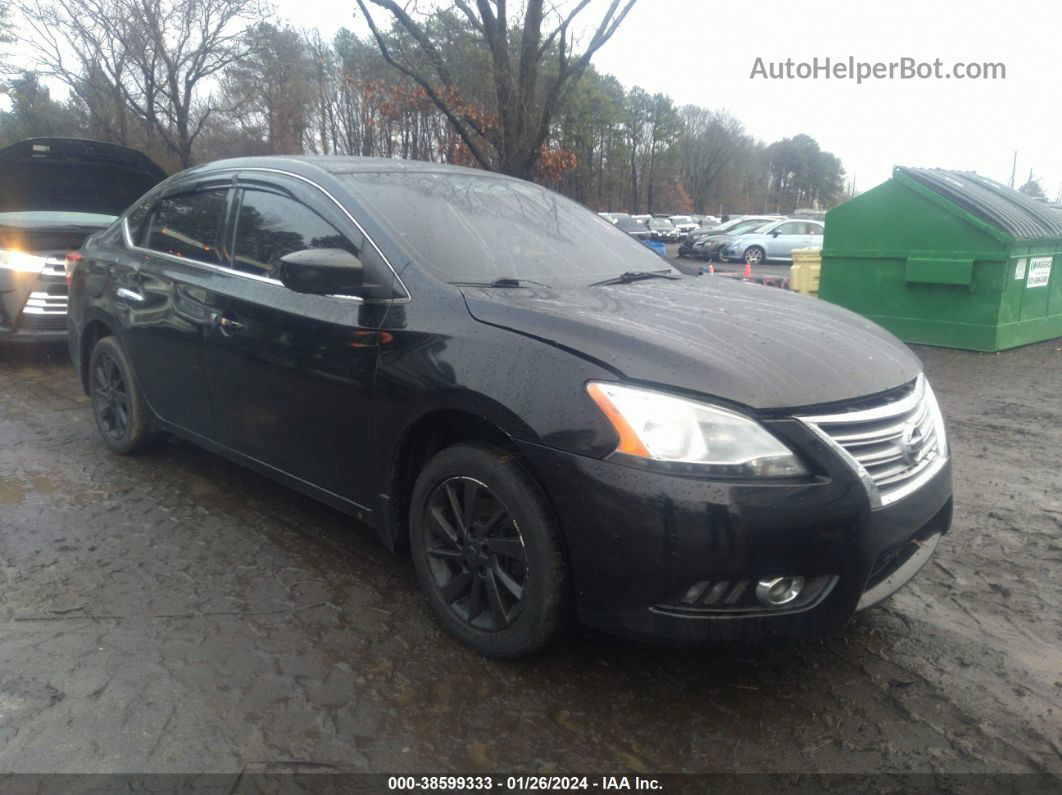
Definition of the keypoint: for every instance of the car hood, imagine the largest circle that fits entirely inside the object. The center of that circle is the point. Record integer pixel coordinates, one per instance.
(73, 175)
(757, 346)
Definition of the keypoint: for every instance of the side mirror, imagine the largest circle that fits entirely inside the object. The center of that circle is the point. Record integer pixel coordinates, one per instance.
(775, 233)
(321, 271)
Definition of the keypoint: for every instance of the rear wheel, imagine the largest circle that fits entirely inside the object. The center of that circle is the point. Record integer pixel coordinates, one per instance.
(117, 406)
(487, 552)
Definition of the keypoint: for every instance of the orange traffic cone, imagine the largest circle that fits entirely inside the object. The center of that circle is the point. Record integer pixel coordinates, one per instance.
(748, 271)
(711, 268)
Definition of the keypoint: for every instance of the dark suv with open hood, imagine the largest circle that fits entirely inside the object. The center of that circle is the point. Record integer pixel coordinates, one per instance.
(55, 192)
(552, 420)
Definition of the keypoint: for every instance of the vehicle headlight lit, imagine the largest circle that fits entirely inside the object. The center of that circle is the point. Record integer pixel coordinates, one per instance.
(657, 427)
(938, 421)
(12, 260)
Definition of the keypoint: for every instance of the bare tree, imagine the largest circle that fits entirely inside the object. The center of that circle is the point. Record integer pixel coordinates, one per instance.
(153, 56)
(708, 143)
(272, 89)
(532, 65)
(6, 36)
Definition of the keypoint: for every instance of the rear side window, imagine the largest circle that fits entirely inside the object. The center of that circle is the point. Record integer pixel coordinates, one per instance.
(271, 225)
(135, 221)
(188, 225)
(792, 228)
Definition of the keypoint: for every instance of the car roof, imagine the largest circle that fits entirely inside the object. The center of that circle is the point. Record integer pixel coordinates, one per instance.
(338, 165)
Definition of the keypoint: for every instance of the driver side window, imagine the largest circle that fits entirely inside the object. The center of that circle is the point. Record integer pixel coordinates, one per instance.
(272, 225)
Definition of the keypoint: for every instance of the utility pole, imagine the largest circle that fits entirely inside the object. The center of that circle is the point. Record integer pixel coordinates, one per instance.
(1014, 169)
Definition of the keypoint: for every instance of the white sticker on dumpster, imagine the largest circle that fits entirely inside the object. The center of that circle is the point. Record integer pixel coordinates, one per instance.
(1019, 271)
(1039, 272)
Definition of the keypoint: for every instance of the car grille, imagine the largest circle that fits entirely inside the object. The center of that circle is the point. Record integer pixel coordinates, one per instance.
(894, 446)
(45, 309)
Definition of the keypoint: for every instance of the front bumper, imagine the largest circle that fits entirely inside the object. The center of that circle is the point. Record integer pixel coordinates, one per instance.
(32, 337)
(33, 305)
(701, 250)
(638, 539)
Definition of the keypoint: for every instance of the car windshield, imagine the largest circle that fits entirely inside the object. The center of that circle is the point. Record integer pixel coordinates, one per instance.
(747, 226)
(660, 223)
(762, 229)
(36, 218)
(472, 228)
(726, 227)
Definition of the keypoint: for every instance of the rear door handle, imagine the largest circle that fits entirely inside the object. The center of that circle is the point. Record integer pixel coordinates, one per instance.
(226, 324)
(129, 295)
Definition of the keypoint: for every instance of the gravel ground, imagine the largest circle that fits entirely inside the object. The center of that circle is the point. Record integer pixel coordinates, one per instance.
(175, 613)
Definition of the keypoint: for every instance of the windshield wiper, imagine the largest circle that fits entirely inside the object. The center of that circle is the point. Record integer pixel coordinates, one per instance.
(505, 281)
(634, 276)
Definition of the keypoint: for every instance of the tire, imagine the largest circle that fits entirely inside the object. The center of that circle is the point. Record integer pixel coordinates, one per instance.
(121, 415)
(487, 553)
(754, 255)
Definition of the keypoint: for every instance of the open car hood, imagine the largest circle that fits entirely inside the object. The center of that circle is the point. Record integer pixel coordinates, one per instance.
(73, 175)
(758, 346)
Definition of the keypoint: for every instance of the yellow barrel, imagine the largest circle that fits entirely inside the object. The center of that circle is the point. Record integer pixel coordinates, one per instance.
(804, 274)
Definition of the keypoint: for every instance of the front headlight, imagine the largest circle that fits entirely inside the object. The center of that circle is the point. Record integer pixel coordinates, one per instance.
(938, 421)
(17, 261)
(710, 440)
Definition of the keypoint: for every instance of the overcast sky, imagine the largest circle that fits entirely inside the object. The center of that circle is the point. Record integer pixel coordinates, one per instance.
(702, 52)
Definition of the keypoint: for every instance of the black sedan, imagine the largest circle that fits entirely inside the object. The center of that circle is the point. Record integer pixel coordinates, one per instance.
(490, 375)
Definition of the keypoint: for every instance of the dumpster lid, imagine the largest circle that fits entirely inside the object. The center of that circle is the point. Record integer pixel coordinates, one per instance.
(1012, 211)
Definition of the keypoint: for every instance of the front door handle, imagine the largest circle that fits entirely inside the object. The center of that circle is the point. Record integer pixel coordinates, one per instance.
(129, 295)
(226, 324)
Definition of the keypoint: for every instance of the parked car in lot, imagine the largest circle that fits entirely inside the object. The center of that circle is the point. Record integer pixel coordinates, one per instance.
(662, 230)
(774, 242)
(706, 242)
(684, 223)
(544, 413)
(635, 229)
(643, 219)
(706, 220)
(55, 192)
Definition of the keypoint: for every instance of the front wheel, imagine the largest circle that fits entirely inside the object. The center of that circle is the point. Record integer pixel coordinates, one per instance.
(754, 255)
(487, 552)
(117, 405)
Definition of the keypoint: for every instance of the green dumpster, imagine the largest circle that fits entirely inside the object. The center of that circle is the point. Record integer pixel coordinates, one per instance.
(947, 258)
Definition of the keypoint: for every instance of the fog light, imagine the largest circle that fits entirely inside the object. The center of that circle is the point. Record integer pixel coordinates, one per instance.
(779, 591)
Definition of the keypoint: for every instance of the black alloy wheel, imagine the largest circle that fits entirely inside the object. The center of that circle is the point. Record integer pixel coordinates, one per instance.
(121, 415)
(475, 553)
(110, 397)
(488, 553)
